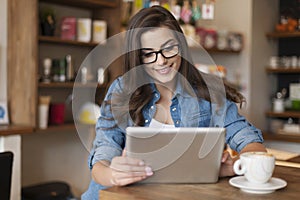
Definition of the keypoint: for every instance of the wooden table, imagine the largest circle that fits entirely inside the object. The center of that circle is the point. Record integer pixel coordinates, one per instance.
(218, 191)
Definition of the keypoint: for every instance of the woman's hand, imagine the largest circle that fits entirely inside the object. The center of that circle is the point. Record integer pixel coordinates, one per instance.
(226, 165)
(125, 170)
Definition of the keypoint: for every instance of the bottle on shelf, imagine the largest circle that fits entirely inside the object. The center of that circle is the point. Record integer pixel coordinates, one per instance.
(70, 68)
(62, 70)
(46, 77)
(59, 70)
(101, 76)
(55, 66)
(278, 103)
(84, 75)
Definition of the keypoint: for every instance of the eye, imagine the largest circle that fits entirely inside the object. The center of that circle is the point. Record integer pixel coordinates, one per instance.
(147, 55)
(170, 48)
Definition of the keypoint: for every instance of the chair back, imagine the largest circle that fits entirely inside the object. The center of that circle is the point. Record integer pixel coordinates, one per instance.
(6, 162)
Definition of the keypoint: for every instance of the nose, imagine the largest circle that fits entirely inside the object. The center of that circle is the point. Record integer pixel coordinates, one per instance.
(160, 59)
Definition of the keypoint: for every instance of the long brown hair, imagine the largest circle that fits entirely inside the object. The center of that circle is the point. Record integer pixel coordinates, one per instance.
(158, 17)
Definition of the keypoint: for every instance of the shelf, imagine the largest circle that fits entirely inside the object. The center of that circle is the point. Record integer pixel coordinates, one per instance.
(286, 114)
(57, 40)
(6, 130)
(215, 50)
(85, 3)
(15, 129)
(69, 126)
(63, 127)
(69, 85)
(283, 34)
(281, 137)
(283, 70)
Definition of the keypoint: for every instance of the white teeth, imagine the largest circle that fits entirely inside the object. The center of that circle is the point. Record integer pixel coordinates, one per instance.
(164, 70)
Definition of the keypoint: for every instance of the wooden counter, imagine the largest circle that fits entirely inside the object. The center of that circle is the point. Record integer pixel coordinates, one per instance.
(14, 129)
(218, 191)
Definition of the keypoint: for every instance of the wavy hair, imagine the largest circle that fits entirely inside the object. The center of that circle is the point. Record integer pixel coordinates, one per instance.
(159, 17)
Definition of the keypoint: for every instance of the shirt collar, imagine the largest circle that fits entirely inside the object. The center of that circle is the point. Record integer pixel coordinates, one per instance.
(179, 89)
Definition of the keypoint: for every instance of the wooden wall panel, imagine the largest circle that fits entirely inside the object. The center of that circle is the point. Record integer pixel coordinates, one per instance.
(22, 61)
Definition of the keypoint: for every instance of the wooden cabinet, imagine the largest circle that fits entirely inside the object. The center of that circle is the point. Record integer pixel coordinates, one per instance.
(56, 48)
(288, 46)
(27, 48)
(21, 61)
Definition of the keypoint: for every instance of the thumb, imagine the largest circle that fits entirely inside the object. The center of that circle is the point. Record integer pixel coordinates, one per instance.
(124, 153)
(225, 156)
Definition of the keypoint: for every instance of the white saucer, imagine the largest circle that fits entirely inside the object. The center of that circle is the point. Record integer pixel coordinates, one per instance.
(269, 187)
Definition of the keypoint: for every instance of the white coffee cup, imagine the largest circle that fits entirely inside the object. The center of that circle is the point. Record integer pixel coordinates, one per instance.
(257, 167)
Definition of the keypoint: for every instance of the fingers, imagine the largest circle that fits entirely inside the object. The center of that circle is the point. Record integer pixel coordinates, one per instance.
(126, 181)
(126, 170)
(129, 161)
(125, 175)
(225, 156)
(127, 164)
(129, 168)
(124, 153)
(227, 165)
(122, 177)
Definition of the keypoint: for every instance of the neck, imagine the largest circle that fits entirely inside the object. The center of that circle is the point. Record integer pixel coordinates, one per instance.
(166, 90)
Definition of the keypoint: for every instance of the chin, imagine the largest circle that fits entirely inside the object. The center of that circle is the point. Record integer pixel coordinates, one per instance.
(165, 79)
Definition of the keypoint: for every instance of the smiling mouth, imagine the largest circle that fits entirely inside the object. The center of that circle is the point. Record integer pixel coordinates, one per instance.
(164, 70)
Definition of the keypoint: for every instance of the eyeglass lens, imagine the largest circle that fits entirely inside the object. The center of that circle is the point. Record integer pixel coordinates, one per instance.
(167, 52)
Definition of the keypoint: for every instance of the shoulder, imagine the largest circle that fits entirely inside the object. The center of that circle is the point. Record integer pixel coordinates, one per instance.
(116, 86)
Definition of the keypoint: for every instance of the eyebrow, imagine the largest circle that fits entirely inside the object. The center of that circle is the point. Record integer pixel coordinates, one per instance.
(170, 40)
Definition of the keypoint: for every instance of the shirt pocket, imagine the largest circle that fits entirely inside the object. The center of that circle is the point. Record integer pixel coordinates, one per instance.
(202, 119)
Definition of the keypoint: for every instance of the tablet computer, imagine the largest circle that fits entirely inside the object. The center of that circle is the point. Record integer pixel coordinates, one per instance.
(178, 155)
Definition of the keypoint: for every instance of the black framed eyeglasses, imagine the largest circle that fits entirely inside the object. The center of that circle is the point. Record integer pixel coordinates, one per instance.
(167, 52)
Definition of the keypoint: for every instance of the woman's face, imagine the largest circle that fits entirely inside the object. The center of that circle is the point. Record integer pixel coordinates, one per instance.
(160, 54)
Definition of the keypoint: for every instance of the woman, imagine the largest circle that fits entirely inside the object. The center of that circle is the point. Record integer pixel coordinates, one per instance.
(160, 88)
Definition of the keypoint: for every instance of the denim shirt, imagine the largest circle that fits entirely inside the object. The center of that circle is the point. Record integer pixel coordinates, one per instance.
(186, 111)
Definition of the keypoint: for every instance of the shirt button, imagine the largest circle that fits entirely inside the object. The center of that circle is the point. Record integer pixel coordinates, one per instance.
(151, 107)
(177, 122)
(173, 109)
(156, 95)
(146, 120)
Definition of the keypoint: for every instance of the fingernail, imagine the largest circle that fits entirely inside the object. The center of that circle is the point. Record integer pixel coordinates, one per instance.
(148, 171)
(141, 163)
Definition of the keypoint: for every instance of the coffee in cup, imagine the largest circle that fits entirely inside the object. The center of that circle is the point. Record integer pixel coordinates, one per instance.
(257, 167)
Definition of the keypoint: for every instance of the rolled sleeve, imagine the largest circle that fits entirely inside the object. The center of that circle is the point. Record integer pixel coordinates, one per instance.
(105, 153)
(110, 138)
(239, 131)
(244, 137)
(107, 144)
